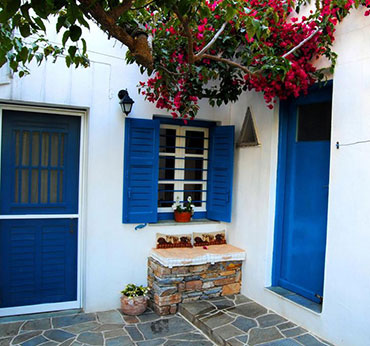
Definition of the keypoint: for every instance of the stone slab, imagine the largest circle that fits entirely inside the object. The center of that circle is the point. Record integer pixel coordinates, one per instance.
(270, 320)
(261, 335)
(26, 336)
(41, 324)
(289, 333)
(134, 333)
(5, 341)
(216, 320)
(114, 333)
(9, 329)
(244, 323)
(309, 340)
(164, 327)
(91, 338)
(65, 321)
(58, 335)
(81, 327)
(35, 341)
(227, 331)
(188, 343)
(119, 341)
(108, 317)
(252, 310)
(110, 326)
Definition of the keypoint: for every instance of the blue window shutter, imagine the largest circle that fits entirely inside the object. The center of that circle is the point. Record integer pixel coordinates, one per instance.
(220, 173)
(140, 179)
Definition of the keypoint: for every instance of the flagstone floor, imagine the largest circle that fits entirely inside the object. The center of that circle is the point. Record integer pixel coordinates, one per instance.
(233, 320)
(237, 320)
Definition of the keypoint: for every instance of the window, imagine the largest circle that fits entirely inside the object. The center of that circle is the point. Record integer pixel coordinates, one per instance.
(183, 160)
(164, 159)
(314, 122)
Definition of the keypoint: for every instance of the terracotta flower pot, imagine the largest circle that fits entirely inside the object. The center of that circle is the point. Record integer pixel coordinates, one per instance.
(134, 306)
(184, 216)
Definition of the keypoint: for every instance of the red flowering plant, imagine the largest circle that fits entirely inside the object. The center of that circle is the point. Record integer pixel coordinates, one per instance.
(218, 49)
(191, 49)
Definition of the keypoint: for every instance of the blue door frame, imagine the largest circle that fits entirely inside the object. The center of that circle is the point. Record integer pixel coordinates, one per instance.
(288, 110)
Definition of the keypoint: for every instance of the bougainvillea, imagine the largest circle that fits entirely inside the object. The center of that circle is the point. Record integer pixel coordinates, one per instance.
(191, 49)
(231, 46)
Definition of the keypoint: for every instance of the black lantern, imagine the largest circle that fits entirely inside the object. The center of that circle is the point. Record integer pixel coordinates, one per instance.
(126, 101)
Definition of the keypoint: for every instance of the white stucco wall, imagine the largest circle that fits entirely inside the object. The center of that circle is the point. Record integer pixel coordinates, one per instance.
(115, 254)
(345, 316)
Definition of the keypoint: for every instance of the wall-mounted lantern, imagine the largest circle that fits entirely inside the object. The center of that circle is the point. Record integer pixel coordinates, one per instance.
(126, 101)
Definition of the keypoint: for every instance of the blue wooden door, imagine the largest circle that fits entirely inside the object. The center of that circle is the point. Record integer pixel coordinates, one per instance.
(303, 196)
(39, 187)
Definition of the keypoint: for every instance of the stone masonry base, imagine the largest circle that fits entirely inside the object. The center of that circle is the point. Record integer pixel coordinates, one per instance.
(171, 286)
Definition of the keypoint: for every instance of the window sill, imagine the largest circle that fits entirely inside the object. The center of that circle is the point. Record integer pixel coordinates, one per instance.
(193, 222)
(296, 299)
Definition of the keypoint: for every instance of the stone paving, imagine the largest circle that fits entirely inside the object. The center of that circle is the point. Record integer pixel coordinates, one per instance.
(230, 320)
(109, 328)
(237, 320)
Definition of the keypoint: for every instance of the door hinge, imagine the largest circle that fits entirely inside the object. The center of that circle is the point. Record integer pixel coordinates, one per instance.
(319, 297)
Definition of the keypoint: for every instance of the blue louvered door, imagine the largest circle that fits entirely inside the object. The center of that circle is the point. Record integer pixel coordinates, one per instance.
(38, 208)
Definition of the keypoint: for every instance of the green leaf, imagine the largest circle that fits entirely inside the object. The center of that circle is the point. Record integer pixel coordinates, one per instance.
(9, 10)
(25, 30)
(75, 33)
(40, 23)
(65, 37)
(60, 22)
(84, 47)
(68, 60)
(230, 13)
(72, 51)
(24, 9)
(251, 30)
(40, 7)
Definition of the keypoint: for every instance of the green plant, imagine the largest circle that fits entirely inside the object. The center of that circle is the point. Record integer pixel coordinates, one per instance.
(132, 291)
(186, 207)
(191, 49)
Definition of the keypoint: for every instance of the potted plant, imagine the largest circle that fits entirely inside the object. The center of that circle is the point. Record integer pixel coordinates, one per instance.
(183, 213)
(134, 299)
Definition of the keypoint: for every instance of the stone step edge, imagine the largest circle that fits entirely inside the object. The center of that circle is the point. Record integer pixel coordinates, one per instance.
(204, 328)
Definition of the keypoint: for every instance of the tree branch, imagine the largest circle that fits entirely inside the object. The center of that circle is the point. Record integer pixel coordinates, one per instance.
(120, 9)
(141, 7)
(302, 43)
(227, 61)
(138, 46)
(170, 72)
(210, 43)
(187, 31)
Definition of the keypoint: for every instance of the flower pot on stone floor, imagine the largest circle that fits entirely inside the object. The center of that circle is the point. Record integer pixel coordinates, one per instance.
(134, 305)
